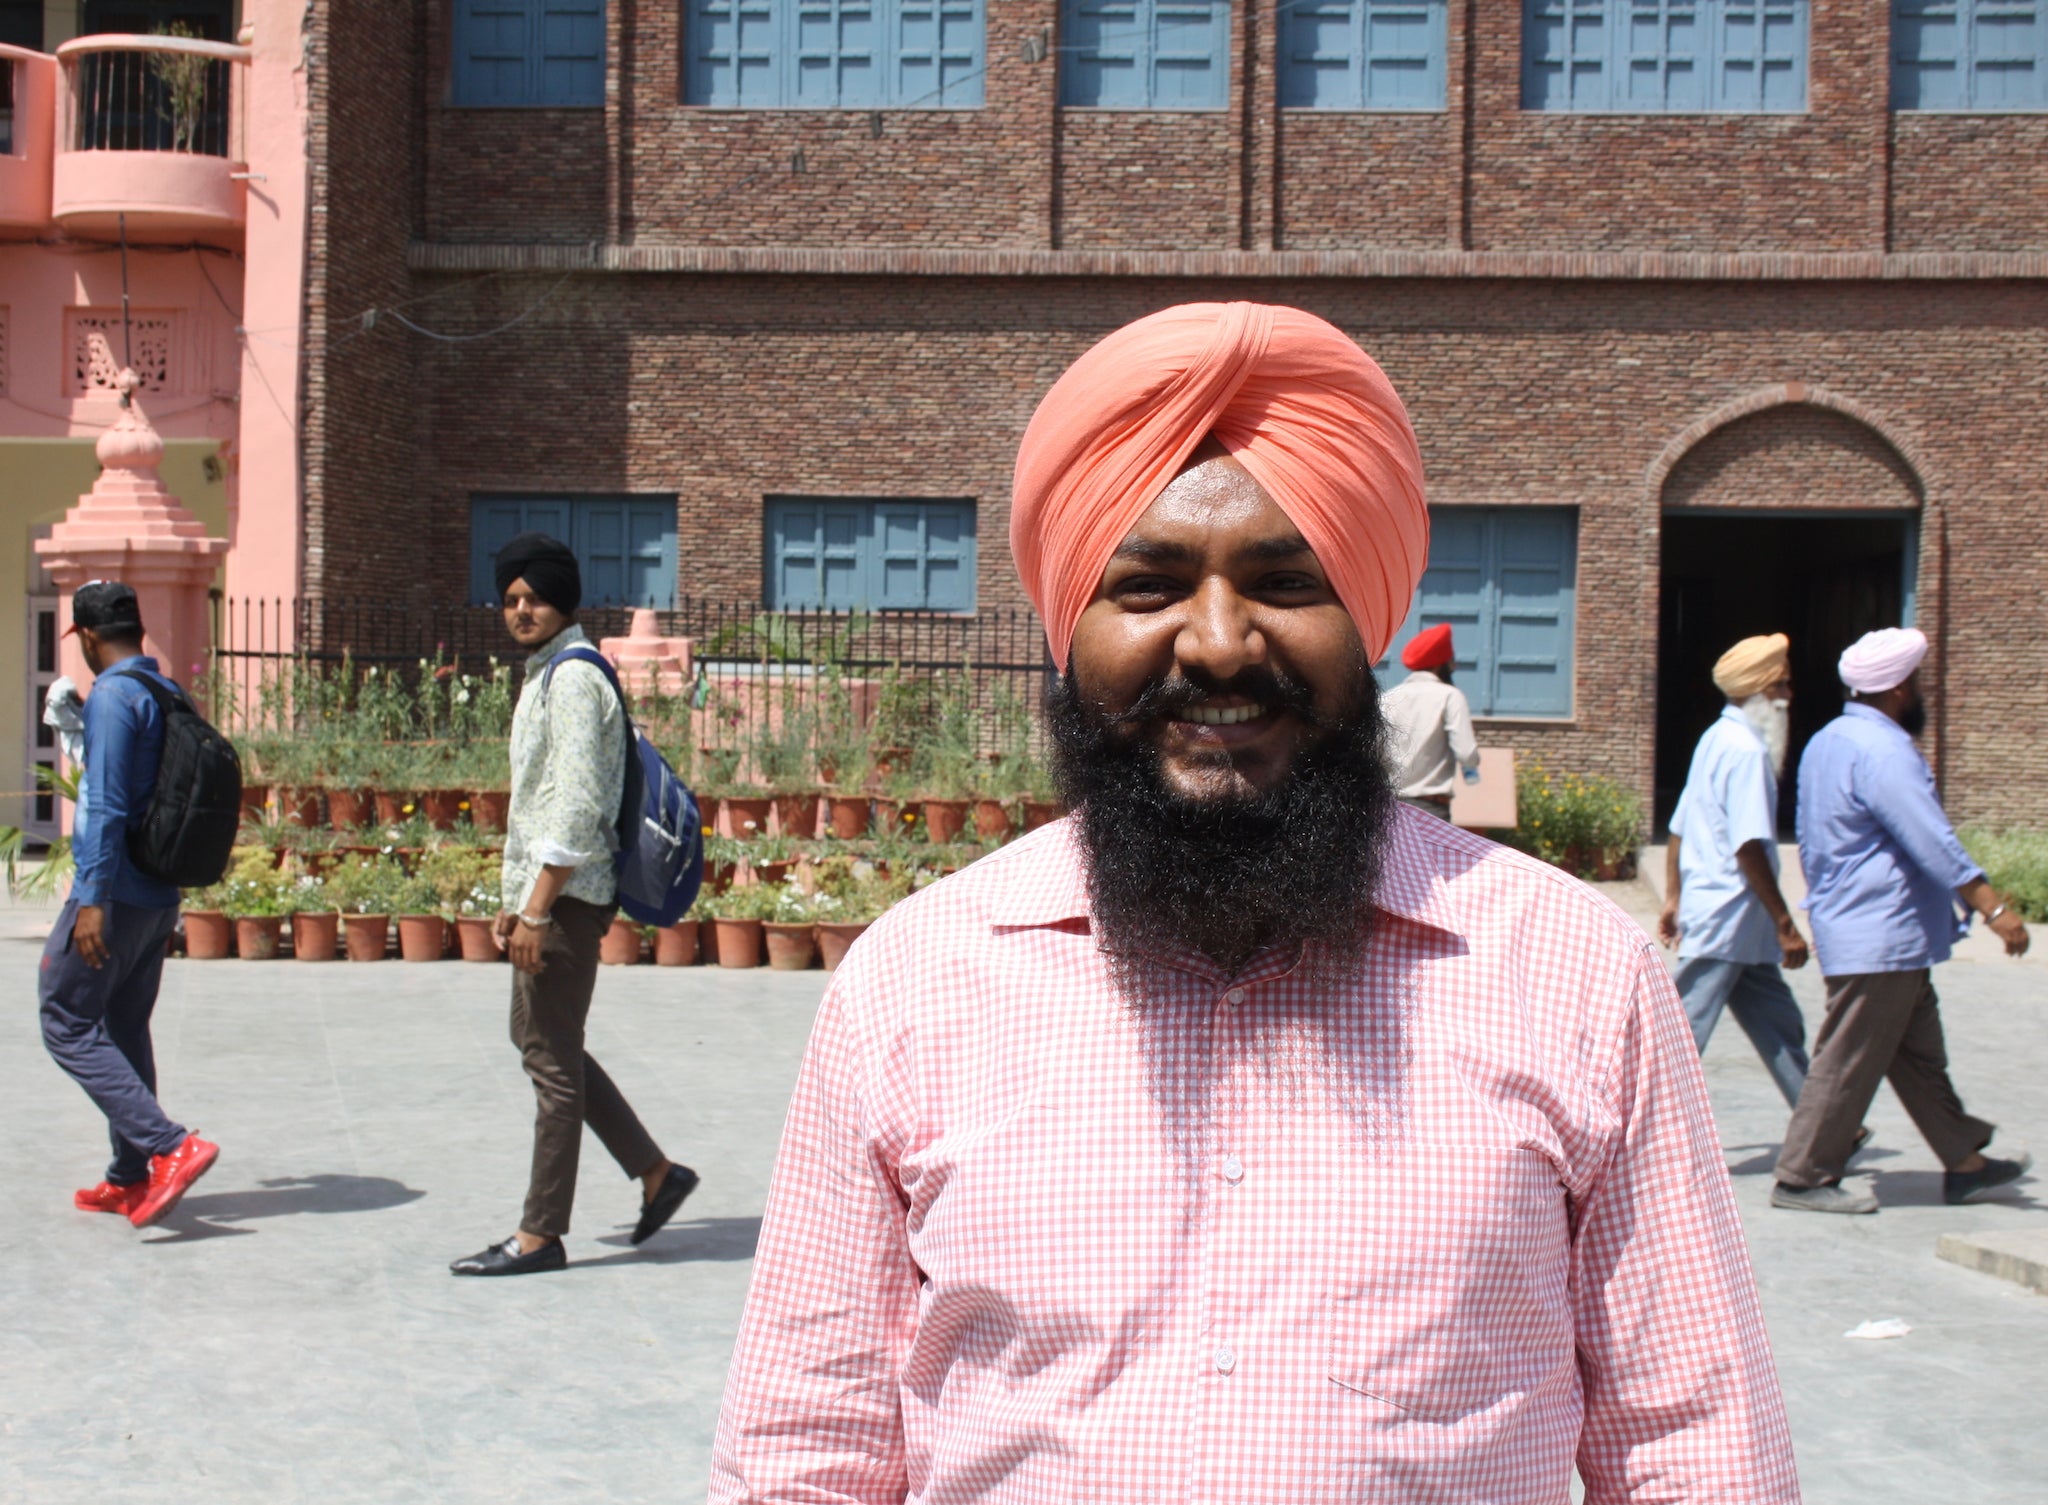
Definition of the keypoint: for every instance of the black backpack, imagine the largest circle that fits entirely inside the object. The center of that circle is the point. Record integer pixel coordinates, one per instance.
(185, 836)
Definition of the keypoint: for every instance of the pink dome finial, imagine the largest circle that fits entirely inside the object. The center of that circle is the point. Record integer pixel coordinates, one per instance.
(131, 444)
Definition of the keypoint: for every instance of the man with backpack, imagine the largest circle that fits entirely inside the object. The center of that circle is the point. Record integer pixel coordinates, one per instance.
(571, 745)
(105, 957)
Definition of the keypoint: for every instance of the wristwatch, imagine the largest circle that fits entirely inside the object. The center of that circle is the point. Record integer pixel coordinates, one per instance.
(535, 922)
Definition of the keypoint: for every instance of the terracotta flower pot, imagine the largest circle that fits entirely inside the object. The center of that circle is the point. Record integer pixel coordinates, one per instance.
(944, 820)
(1042, 813)
(299, 807)
(707, 942)
(889, 815)
(348, 809)
(747, 819)
(208, 934)
(315, 934)
(707, 810)
(790, 947)
(891, 760)
(835, 936)
(487, 808)
(393, 806)
(320, 863)
(797, 815)
(739, 943)
(366, 937)
(771, 872)
(676, 945)
(257, 937)
(991, 820)
(422, 937)
(848, 814)
(443, 807)
(717, 878)
(254, 798)
(473, 935)
(621, 944)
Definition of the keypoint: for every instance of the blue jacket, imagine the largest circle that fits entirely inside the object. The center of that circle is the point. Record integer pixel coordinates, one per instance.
(124, 742)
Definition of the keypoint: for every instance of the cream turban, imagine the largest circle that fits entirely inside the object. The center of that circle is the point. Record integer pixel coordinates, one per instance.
(1752, 666)
(1879, 660)
(1292, 398)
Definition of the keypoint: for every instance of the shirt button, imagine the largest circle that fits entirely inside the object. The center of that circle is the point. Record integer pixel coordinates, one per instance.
(1226, 1360)
(1233, 1169)
(1234, 996)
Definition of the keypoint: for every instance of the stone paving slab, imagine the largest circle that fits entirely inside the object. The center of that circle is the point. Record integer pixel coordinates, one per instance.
(291, 1334)
(2018, 1256)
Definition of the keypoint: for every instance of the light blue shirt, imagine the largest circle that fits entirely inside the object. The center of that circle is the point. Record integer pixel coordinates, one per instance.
(1882, 862)
(1730, 800)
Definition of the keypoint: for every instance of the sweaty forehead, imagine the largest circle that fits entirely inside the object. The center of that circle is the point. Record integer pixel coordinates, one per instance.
(1214, 510)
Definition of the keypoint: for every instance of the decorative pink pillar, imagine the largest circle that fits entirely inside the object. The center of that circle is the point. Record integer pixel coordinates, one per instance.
(649, 663)
(129, 528)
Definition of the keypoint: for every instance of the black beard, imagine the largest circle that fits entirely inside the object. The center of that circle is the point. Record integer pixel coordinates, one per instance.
(1913, 719)
(1289, 867)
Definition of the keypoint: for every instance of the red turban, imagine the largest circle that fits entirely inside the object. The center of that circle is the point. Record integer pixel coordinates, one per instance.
(1292, 398)
(1428, 650)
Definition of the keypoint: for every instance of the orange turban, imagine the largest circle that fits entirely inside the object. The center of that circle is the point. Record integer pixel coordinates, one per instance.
(1292, 398)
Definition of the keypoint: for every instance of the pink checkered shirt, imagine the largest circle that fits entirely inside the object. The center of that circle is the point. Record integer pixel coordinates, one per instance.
(1428, 1230)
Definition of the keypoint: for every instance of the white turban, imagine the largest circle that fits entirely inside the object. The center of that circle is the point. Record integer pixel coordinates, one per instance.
(1880, 660)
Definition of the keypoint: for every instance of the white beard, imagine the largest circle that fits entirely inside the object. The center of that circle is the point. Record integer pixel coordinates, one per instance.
(1772, 721)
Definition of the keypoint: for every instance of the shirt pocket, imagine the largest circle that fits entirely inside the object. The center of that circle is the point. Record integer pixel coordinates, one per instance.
(1452, 1295)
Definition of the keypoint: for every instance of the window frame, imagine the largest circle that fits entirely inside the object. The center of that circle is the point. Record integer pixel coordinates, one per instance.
(1146, 55)
(871, 552)
(1711, 19)
(1967, 14)
(787, 52)
(1362, 58)
(1479, 666)
(580, 510)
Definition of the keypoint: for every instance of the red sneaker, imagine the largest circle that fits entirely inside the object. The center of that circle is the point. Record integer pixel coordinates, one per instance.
(107, 1197)
(171, 1176)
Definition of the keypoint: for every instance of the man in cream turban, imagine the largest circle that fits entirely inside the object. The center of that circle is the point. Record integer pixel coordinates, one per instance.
(1722, 906)
(1885, 877)
(1245, 1135)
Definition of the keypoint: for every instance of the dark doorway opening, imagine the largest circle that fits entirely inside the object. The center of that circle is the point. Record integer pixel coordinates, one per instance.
(1824, 580)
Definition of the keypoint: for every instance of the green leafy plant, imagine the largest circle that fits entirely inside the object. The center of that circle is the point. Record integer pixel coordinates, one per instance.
(464, 881)
(366, 885)
(2015, 862)
(782, 740)
(1573, 821)
(46, 880)
(755, 901)
(183, 77)
(253, 887)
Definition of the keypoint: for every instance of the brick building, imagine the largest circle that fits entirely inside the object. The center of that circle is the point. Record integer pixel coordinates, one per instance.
(1713, 316)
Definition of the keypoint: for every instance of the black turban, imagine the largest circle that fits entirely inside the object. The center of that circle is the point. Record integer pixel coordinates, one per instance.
(545, 564)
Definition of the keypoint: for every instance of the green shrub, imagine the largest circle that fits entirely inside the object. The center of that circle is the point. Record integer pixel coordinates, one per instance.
(2016, 863)
(1572, 820)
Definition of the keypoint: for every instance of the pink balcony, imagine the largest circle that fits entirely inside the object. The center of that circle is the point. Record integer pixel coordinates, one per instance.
(150, 128)
(28, 114)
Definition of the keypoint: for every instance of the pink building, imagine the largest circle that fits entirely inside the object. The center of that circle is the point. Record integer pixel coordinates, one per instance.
(152, 219)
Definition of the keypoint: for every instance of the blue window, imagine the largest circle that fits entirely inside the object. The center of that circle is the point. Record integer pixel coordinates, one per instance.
(1504, 578)
(1362, 54)
(1145, 54)
(529, 52)
(1969, 55)
(625, 545)
(861, 554)
(835, 54)
(1657, 56)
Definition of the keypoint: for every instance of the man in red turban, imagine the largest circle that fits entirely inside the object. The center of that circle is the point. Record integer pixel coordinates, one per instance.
(1245, 1135)
(1429, 725)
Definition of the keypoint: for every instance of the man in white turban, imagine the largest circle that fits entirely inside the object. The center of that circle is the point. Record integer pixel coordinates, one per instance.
(1884, 874)
(1722, 905)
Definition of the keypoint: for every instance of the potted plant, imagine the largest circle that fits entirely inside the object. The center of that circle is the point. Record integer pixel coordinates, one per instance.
(362, 889)
(209, 933)
(621, 944)
(676, 945)
(788, 928)
(849, 899)
(466, 882)
(422, 927)
(253, 895)
(737, 916)
(782, 757)
(843, 757)
(316, 927)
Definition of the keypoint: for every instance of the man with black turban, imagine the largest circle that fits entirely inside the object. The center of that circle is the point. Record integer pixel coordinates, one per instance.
(569, 747)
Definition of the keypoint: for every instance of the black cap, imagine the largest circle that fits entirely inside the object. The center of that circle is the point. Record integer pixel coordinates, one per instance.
(106, 606)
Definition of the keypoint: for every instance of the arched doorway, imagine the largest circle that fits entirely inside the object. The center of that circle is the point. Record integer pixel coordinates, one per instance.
(1796, 519)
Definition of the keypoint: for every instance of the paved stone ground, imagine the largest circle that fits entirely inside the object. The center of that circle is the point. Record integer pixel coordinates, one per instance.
(291, 1334)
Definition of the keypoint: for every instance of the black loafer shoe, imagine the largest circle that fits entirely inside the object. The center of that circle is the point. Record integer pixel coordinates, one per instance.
(655, 1212)
(505, 1259)
(1958, 1187)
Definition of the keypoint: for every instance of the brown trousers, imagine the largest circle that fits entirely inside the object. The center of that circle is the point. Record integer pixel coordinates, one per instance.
(1880, 1026)
(569, 1087)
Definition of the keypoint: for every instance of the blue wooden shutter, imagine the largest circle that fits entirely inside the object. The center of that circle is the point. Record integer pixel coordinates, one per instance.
(1105, 62)
(949, 556)
(1663, 64)
(1760, 48)
(834, 48)
(600, 546)
(570, 62)
(1565, 55)
(651, 553)
(816, 554)
(2005, 54)
(937, 48)
(495, 521)
(1320, 65)
(1534, 568)
(1404, 55)
(1190, 54)
(493, 44)
(1927, 54)
(736, 53)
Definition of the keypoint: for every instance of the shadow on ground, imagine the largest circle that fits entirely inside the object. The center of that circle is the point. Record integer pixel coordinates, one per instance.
(718, 1240)
(211, 1214)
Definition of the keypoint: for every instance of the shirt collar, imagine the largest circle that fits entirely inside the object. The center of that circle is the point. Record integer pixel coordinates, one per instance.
(568, 637)
(1415, 674)
(1412, 881)
(1740, 717)
(1864, 712)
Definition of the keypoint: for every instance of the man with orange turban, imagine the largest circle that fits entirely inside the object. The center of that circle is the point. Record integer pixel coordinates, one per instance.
(1245, 1135)
(1429, 725)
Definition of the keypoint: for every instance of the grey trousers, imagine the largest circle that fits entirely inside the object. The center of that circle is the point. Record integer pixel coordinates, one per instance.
(96, 1026)
(1755, 993)
(570, 1089)
(1880, 1026)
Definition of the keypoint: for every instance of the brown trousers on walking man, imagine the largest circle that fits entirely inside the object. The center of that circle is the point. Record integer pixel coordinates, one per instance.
(570, 1088)
(1880, 1026)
